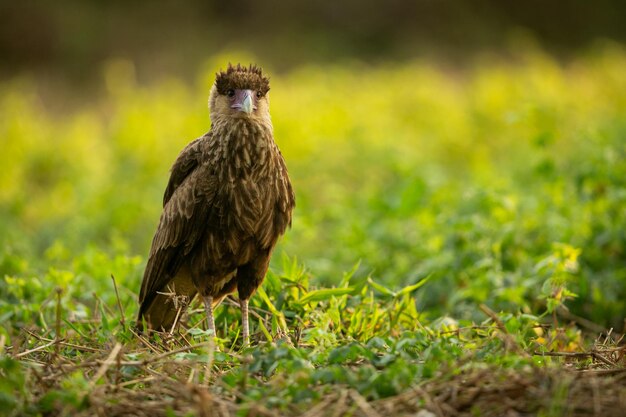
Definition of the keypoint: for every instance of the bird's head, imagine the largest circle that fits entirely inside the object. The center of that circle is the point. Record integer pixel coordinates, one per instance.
(240, 92)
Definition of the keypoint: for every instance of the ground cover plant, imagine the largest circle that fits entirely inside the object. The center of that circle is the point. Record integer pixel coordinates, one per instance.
(458, 245)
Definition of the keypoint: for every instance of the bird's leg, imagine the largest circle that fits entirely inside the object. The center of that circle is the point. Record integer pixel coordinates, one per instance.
(208, 306)
(245, 328)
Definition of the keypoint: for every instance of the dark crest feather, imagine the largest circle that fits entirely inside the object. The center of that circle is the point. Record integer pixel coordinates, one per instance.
(242, 77)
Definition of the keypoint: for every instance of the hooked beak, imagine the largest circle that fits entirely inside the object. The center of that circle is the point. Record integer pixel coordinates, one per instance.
(243, 101)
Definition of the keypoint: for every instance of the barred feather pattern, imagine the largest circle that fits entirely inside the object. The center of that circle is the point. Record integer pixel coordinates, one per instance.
(228, 201)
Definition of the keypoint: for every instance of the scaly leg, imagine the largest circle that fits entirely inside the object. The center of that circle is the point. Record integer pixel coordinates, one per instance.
(208, 306)
(245, 328)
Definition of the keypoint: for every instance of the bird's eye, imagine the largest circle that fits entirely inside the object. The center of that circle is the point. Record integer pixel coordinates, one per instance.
(259, 94)
(230, 93)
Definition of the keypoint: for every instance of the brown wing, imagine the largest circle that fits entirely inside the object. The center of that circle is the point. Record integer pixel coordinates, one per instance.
(181, 225)
(286, 199)
(186, 162)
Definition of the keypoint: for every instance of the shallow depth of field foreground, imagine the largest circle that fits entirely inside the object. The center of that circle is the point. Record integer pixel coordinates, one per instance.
(458, 245)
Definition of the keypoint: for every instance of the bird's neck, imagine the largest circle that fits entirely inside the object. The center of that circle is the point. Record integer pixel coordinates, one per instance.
(243, 143)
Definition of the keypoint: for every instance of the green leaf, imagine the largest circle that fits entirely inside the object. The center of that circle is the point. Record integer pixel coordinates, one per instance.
(273, 309)
(324, 294)
(411, 288)
(265, 332)
(380, 288)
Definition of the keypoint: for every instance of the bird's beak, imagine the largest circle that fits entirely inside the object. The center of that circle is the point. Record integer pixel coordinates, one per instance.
(243, 101)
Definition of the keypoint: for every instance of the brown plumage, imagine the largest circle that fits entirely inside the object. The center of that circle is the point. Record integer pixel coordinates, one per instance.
(227, 202)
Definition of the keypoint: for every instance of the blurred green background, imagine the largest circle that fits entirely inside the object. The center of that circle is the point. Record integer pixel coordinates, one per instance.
(482, 142)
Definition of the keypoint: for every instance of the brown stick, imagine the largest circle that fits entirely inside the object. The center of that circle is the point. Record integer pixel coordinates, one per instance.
(41, 347)
(57, 336)
(119, 304)
(508, 339)
(362, 403)
(106, 364)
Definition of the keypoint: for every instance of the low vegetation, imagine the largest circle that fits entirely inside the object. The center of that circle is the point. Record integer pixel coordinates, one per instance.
(458, 246)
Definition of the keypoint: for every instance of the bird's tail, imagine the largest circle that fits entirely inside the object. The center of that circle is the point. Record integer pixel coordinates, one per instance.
(163, 310)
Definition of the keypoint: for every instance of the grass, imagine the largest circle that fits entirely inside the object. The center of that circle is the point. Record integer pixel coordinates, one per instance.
(458, 246)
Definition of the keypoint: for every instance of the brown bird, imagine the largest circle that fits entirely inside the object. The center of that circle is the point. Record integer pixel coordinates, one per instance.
(227, 202)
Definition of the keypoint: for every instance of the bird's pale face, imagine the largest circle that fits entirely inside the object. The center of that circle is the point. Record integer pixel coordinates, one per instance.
(239, 103)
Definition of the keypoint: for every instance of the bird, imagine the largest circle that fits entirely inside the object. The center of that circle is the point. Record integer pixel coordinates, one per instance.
(228, 200)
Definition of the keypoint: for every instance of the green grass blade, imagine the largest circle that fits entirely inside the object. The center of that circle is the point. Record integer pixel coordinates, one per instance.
(411, 288)
(324, 294)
